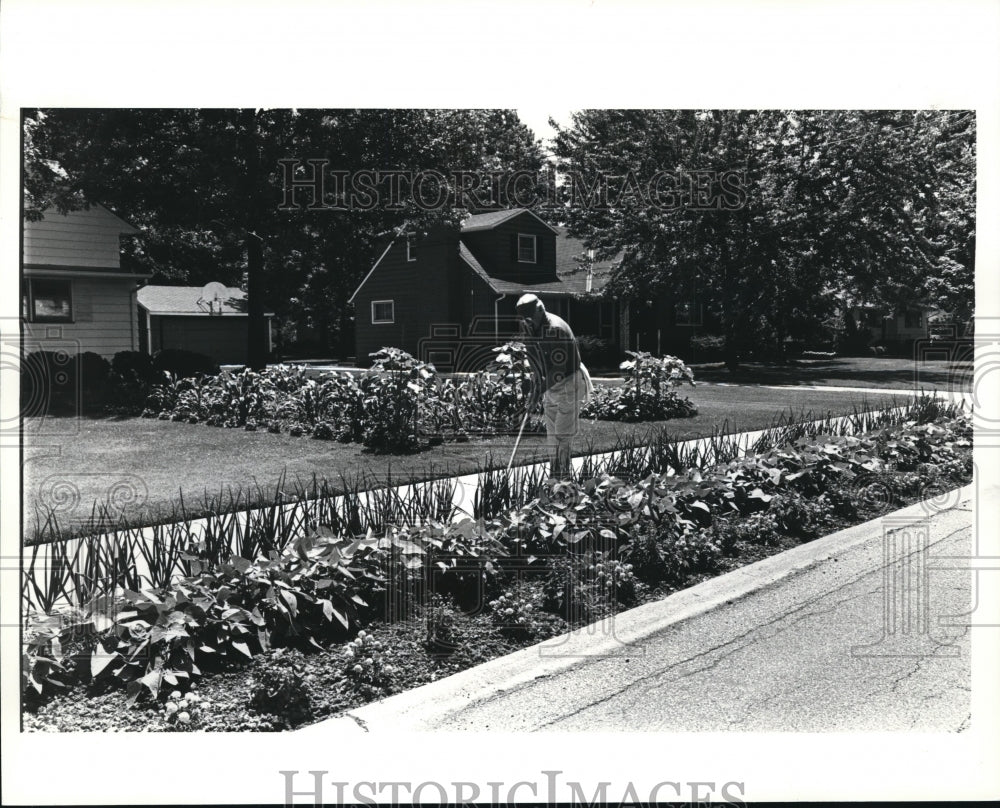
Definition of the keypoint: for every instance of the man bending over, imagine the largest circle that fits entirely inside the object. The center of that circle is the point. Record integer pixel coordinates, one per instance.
(561, 375)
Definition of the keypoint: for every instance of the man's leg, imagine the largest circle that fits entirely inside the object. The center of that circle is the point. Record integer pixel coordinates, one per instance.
(567, 413)
(550, 407)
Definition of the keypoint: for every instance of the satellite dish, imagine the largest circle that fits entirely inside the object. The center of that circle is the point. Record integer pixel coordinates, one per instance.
(213, 293)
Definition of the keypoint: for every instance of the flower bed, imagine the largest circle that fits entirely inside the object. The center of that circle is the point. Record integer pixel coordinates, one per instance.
(403, 404)
(249, 634)
(648, 393)
(398, 406)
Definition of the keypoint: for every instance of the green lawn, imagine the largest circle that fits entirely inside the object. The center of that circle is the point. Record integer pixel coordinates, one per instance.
(161, 459)
(870, 372)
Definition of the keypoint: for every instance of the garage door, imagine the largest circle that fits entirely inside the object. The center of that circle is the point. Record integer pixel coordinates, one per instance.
(222, 338)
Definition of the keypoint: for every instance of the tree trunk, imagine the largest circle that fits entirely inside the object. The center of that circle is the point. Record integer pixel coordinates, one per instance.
(730, 351)
(256, 322)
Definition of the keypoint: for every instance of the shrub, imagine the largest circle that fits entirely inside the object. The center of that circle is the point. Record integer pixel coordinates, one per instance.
(756, 529)
(589, 586)
(134, 364)
(643, 552)
(392, 397)
(443, 635)
(238, 397)
(673, 550)
(365, 666)
(93, 371)
(647, 393)
(839, 501)
(279, 688)
(515, 616)
(324, 430)
(797, 516)
(491, 400)
(596, 352)
(602, 537)
(55, 382)
(187, 712)
(707, 348)
(129, 394)
(688, 553)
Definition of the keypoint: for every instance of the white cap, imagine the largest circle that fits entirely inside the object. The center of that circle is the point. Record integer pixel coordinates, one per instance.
(529, 301)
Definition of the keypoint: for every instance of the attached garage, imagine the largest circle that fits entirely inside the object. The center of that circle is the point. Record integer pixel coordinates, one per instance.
(210, 320)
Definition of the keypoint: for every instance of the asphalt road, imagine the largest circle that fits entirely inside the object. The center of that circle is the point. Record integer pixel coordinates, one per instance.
(783, 658)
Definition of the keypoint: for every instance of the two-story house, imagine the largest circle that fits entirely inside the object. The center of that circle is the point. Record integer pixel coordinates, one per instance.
(459, 289)
(75, 295)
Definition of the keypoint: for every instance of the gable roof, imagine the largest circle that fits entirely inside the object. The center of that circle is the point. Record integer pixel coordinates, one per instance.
(94, 214)
(127, 228)
(83, 240)
(487, 221)
(187, 301)
(571, 274)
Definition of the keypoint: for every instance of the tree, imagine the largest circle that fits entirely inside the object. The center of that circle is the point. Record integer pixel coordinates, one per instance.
(205, 187)
(770, 214)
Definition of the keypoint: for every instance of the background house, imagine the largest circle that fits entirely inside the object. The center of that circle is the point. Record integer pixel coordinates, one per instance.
(210, 320)
(896, 329)
(75, 295)
(446, 288)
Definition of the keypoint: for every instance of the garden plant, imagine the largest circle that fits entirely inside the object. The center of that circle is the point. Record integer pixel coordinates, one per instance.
(427, 593)
(402, 404)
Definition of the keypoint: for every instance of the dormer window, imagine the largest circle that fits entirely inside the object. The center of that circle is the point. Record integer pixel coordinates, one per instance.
(411, 247)
(526, 249)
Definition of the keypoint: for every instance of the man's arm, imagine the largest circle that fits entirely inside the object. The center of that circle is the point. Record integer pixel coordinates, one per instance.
(561, 354)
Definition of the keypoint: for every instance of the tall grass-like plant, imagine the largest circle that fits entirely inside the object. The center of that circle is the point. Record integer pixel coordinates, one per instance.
(321, 584)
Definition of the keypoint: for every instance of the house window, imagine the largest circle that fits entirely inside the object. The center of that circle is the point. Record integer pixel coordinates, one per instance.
(383, 311)
(873, 319)
(47, 301)
(526, 249)
(411, 247)
(913, 318)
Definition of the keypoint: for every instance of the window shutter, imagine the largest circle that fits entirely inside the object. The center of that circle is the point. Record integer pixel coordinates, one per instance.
(538, 249)
(513, 247)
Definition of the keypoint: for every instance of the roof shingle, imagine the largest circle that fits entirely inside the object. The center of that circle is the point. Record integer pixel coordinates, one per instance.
(572, 274)
(187, 300)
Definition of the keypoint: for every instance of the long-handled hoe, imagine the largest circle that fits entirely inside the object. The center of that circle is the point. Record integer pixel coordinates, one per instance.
(517, 443)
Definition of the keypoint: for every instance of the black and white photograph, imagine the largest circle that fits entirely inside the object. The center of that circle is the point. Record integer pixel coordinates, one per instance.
(496, 447)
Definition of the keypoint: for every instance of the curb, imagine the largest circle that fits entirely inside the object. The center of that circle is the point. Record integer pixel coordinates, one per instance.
(422, 708)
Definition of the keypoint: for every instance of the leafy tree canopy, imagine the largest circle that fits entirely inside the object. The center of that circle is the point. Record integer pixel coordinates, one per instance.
(197, 181)
(775, 216)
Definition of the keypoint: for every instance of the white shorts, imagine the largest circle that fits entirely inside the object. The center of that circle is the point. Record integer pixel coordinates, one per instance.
(561, 404)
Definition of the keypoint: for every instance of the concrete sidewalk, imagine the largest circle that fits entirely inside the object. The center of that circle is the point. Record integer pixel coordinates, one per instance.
(823, 637)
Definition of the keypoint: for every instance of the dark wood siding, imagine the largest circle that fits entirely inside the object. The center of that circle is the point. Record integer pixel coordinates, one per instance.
(496, 250)
(422, 292)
